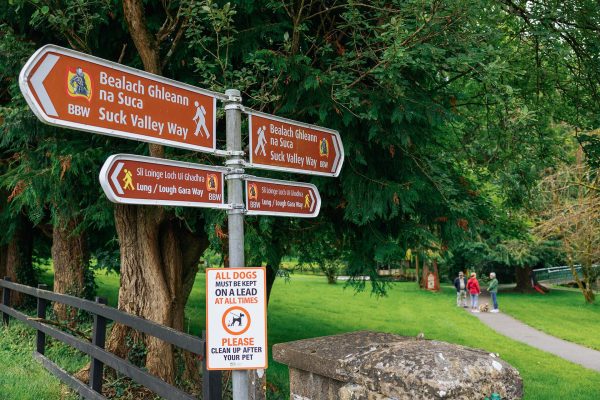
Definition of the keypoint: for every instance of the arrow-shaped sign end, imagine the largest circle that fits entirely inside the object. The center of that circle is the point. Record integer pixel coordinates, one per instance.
(114, 177)
(312, 202)
(37, 82)
(339, 155)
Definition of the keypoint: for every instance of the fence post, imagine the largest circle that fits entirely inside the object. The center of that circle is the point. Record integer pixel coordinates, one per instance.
(98, 339)
(6, 301)
(41, 313)
(212, 384)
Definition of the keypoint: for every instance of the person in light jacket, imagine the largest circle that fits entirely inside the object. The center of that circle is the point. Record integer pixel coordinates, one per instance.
(460, 284)
(474, 291)
(493, 289)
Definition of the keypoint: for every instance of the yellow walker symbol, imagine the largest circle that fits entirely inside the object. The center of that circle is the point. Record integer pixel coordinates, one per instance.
(128, 180)
(306, 201)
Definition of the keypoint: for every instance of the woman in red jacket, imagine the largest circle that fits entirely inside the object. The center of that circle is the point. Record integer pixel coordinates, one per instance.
(474, 291)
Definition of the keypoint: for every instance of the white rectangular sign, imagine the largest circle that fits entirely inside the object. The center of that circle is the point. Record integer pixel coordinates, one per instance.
(236, 318)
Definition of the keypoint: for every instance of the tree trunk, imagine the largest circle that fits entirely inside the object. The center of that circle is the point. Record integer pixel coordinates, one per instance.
(19, 265)
(424, 273)
(159, 261)
(523, 279)
(70, 258)
(159, 258)
(3, 246)
(589, 295)
(584, 284)
(3, 250)
(271, 275)
(417, 278)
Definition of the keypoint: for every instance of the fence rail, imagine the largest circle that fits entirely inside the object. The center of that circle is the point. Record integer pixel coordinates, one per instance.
(557, 275)
(211, 380)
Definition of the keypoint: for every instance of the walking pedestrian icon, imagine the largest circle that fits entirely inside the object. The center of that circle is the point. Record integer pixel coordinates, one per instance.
(306, 201)
(260, 146)
(128, 180)
(200, 120)
(236, 320)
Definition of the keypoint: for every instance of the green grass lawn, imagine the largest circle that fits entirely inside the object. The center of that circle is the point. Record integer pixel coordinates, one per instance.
(307, 306)
(561, 313)
(23, 378)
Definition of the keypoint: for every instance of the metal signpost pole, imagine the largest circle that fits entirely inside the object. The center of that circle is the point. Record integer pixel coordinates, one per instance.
(235, 197)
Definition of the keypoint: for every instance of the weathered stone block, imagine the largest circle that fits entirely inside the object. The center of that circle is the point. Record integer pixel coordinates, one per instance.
(376, 366)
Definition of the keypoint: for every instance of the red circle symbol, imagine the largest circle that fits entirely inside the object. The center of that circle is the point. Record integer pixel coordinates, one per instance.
(234, 320)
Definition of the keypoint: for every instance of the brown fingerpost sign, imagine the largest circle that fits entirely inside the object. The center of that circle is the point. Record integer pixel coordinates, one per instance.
(285, 145)
(134, 179)
(281, 198)
(78, 91)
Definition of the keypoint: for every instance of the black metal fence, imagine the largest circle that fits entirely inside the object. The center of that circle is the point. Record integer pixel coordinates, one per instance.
(211, 380)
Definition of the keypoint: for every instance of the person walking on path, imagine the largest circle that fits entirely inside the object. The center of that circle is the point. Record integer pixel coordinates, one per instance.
(493, 289)
(474, 291)
(460, 284)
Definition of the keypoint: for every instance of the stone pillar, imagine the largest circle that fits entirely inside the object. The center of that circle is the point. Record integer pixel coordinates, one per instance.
(377, 366)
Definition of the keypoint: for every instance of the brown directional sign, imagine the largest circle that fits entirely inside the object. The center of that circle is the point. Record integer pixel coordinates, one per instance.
(134, 179)
(285, 145)
(78, 91)
(282, 198)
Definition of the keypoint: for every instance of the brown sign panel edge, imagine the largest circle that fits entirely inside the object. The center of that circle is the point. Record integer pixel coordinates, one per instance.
(104, 182)
(282, 182)
(37, 108)
(336, 143)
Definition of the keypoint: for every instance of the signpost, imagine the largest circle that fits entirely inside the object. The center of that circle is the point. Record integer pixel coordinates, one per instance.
(236, 323)
(134, 179)
(281, 198)
(282, 144)
(78, 91)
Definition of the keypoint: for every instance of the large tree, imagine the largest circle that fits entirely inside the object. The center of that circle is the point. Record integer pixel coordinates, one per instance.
(570, 212)
(449, 112)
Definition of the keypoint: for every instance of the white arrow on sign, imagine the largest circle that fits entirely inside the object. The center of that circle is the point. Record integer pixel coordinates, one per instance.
(313, 203)
(115, 180)
(37, 81)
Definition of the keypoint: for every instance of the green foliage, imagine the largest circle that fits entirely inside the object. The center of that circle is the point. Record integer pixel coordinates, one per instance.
(591, 145)
(445, 127)
(449, 113)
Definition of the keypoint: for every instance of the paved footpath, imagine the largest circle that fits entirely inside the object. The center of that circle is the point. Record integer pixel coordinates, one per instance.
(515, 329)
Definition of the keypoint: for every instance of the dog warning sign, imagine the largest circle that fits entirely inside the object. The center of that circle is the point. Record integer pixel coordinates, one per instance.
(236, 318)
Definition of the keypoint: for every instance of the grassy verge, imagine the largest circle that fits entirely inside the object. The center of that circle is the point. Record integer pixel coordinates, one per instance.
(23, 378)
(307, 306)
(560, 313)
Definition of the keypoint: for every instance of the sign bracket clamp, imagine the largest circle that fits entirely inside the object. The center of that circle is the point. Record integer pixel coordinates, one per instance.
(236, 209)
(237, 174)
(229, 153)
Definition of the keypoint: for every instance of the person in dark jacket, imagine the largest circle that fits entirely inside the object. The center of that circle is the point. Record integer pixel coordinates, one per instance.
(460, 284)
(474, 291)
